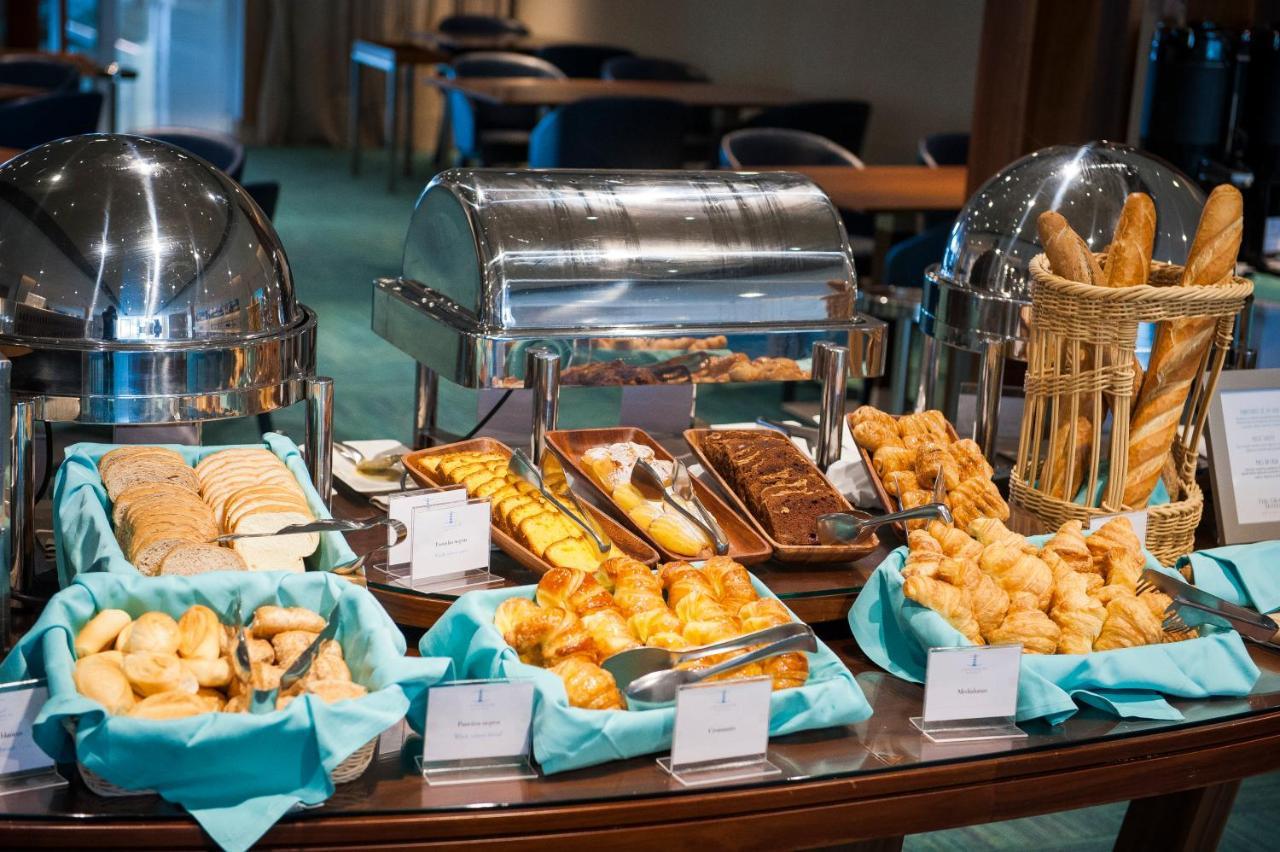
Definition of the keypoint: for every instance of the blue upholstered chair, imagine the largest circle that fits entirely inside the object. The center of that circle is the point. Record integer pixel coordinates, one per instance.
(475, 25)
(23, 69)
(580, 60)
(225, 152)
(651, 68)
(844, 122)
(610, 133)
(33, 121)
(487, 133)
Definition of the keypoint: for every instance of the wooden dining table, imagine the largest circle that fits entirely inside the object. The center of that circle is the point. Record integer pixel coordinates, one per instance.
(545, 92)
(888, 189)
(14, 91)
(7, 154)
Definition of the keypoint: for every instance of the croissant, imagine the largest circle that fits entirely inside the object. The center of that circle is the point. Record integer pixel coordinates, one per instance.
(970, 460)
(636, 589)
(961, 573)
(1019, 573)
(954, 542)
(930, 424)
(1079, 616)
(672, 641)
(1069, 544)
(704, 632)
(900, 482)
(588, 686)
(911, 499)
(1129, 623)
(934, 461)
(702, 607)
(786, 670)
(864, 413)
(566, 638)
(609, 631)
(976, 498)
(990, 604)
(923, 561)
(992, 531)
(922, 541)
(739, 673)
(1115, 533)
(523, 624)
(1122, 569)
(946, 600)
(890, 459)
(730, 582)
(613, 569)
(573, 590)
(681, 579)
(874, 434)
(1035, 630)
(646, 625)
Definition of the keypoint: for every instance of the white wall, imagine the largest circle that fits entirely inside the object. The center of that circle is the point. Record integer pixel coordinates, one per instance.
(914, 60)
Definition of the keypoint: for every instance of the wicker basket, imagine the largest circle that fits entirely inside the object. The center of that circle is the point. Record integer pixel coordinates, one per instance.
(1077, 324)
(348, 770)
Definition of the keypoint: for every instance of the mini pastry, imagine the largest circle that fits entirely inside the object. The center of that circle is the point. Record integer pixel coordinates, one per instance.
(290, 644)
(946, 600)
(588, 686)
(150, 673)
(208, 673)
(331, 691)
(1031, 627)
(199, 634)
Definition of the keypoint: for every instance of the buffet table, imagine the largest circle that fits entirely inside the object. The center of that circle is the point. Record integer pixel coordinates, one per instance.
(877, 779)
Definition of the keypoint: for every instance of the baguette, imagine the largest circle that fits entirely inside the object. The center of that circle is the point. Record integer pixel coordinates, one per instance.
(1180, 346)
(1129, 257)
(1069, 255)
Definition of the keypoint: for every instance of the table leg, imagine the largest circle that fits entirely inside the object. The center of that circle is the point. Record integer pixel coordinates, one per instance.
(409, 80)
(444, 137)
(391, 124)
(1178, 822)
(353, 115)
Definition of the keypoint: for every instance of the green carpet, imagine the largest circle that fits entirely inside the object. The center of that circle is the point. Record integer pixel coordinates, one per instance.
(341, 232)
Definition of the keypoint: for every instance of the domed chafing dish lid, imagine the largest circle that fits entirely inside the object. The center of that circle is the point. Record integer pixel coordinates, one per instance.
(982, 287)
(112, 241)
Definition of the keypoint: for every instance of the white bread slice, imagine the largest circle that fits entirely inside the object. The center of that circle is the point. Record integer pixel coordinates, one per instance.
(276, 553)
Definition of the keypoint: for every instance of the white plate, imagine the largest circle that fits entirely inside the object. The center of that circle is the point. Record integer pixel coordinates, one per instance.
(358, 482)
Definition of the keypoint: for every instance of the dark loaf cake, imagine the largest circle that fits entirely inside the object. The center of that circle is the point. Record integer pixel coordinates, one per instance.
(782, 488)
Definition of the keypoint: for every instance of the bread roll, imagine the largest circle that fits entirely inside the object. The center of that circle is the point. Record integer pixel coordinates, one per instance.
(153, 631)
(1180, 346)
(101, 678)
(199, 634)
(151, 673)
(270, 620)
(100, 631)
(170, 705)
(209, 673)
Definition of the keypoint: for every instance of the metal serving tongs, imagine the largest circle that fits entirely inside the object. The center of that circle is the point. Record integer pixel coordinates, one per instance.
(651, 487)
(298, 668)
(260, 700)
(396, 533)
(848, 527)
(634, 663)
(661, 686)
(1193, 607)
(556, 484)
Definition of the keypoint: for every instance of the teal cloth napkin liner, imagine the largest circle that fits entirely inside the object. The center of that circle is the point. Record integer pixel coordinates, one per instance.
(1244, 574)
(82, 527)
(566, 737)
(896, 633)
(235, 773)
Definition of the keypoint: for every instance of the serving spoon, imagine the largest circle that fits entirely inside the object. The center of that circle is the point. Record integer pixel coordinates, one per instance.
(848, 527)
(661, 686)
(627, 666)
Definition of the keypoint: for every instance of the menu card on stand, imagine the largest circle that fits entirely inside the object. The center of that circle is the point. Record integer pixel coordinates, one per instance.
(721, 733)
(1244, 455)
(478, 730)
(447, 548)
(971, 693)
(23, 764)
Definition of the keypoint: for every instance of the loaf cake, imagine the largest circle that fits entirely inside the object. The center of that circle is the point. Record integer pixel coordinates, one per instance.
(782, 488)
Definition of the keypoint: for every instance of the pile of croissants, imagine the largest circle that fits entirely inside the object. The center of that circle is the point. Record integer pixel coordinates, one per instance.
(1180, 345)
(1074, 595)
(578, 619)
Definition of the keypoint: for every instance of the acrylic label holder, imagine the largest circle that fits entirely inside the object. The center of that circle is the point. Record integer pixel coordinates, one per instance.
(971, 693)
(478, 731)
(23, 764)
(447, 549)
(721, 733)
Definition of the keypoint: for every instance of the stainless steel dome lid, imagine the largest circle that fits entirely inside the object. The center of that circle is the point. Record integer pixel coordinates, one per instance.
(519, 252)
(981, 290)
(121, 242)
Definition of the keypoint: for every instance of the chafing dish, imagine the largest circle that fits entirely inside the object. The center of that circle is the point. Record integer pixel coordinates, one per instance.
(499, 263)
(979, 298)
(140, 285)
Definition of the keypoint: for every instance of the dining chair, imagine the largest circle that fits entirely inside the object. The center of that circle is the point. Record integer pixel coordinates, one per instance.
(465, 25)
(943, 149)
(22, 69)
(842, 121)
(580, 60)
(610, 133)
(651, 68)
(223, 151)
(487, 133)
(28, 122)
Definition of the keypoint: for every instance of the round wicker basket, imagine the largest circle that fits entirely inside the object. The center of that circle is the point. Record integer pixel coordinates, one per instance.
(1080, 362)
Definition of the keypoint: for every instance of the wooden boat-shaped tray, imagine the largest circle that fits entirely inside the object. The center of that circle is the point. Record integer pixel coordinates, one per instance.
(745, 544)
(622, 538)
(796, 553)
(887, 500)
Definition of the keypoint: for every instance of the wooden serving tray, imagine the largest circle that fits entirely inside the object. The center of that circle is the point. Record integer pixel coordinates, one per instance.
(745, 544)
(623, 538)
(798, 553)
(887, 500)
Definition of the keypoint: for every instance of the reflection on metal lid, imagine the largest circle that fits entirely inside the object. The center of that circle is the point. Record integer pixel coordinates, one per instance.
(519, 251)
(110, 238)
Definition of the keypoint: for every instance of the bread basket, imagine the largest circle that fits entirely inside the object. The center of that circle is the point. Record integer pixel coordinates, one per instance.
(348, 770)
(1074, 323)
